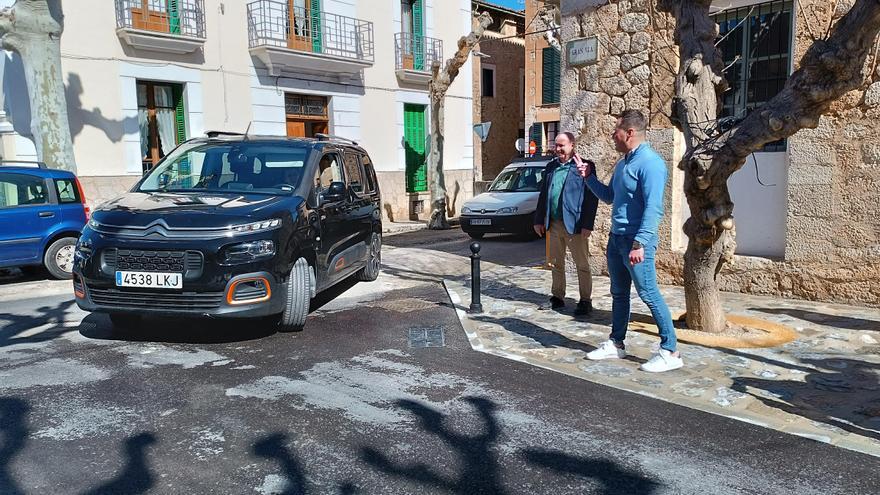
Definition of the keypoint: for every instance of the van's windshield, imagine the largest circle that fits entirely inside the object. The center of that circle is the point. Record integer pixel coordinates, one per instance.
(241, 167)
(520, 179)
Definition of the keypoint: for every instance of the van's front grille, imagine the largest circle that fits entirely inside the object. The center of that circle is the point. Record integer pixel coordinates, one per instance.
(190, 263)
(118, 298)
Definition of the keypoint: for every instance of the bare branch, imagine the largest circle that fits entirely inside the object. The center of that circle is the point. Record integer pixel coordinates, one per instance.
(806, 21)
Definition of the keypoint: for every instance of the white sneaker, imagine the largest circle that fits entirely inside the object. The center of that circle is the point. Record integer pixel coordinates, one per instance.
(662, 361)
(608, 350)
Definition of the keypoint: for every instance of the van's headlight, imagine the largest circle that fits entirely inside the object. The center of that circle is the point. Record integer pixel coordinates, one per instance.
(507, 210)
(250, 228)
(465, 209)
(247, 252)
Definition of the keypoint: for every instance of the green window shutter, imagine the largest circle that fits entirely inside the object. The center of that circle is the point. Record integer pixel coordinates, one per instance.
(179, 113)
(414, 148)
(317, 46)
(174, 16)
(550, 77)
(418, 35)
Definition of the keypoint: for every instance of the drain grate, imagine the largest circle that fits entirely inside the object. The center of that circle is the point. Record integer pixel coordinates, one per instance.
(426, 337)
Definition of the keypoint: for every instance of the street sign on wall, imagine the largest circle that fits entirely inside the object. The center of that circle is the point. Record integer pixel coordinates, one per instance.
(482, 130)
(582, 51)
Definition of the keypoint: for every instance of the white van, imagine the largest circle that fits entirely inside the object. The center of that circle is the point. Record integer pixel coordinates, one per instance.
(508, 206)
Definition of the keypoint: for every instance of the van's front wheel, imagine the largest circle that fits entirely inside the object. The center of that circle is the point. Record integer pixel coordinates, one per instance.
(298, 296)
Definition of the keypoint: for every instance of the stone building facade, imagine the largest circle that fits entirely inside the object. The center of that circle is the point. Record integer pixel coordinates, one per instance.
(807, 209)
(499, 65)
(542, 78)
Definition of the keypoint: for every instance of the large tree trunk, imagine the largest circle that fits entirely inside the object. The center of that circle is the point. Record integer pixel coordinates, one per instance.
(32, 28)
(440, 82)
(828, 70)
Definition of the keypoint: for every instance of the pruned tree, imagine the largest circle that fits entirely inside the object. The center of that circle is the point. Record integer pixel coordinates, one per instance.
(32, 28)
(550, 16)
(440, 82)
(830, 68)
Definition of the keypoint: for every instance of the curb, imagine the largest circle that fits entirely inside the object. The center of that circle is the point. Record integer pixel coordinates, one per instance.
(35, 290)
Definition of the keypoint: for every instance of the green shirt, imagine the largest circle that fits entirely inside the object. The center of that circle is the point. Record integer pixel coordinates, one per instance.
(556, 186)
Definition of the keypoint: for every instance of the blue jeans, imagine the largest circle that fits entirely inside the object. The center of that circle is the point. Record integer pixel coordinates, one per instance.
(623, 274)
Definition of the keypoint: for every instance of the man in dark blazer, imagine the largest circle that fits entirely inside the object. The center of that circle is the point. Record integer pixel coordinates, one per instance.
(566, 214)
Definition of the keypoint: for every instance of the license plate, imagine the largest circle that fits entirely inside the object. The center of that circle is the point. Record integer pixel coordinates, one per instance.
(152, 280)
(481, 221)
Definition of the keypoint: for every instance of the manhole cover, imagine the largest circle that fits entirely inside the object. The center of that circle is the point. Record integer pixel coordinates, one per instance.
(426, 337)
(406, 305)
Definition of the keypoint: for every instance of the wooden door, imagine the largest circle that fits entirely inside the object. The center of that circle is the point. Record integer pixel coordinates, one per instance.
(148, 19)
(300, 25)
(296, 128)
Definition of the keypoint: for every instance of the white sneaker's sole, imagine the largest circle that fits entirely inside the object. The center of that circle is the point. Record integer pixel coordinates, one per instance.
(662, 371)
(604, 358)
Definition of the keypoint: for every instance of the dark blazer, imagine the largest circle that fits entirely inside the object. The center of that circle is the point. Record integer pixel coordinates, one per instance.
(579, 204)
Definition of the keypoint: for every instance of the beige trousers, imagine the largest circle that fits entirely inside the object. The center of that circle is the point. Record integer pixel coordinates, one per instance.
(558, 240)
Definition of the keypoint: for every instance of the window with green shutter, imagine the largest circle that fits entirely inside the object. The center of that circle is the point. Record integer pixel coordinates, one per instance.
(173, 16)
(551, 74)
(418, 35)
(179, 113)
(317, 32)
(414, 147)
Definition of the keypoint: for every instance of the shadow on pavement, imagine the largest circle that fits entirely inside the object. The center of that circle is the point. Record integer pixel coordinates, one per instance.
(846, 322)
(614, 479)
(16, 324)
(177, 330)
(13, 426)
(135, 476)
(273, 447)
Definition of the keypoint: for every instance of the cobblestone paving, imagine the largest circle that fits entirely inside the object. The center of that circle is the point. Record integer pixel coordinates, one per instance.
(824, 385)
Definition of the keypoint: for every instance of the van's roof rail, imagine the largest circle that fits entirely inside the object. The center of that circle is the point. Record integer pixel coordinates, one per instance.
(329, 137)
(213, 134)
(24, 162)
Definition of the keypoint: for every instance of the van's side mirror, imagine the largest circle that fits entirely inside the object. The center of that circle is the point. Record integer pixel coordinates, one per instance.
(334, 193)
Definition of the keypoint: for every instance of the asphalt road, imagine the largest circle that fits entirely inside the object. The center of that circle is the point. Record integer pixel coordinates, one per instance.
(356, 404)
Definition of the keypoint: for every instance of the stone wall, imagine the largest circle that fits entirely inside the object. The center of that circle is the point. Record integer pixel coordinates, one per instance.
(833, 212)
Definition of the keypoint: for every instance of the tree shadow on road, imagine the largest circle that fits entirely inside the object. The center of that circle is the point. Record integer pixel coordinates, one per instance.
(135, 476)
(16, 324)
(480, 473)
(273, 447)
(13, 427)
(614, 479)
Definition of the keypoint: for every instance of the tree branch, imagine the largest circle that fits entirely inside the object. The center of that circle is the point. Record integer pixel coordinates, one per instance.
(829, 69)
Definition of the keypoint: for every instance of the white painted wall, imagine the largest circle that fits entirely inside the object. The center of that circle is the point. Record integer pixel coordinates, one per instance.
(226, 89)
(759, 210)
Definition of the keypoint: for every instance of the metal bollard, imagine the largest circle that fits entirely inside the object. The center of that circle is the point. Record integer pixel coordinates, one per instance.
(476, 307)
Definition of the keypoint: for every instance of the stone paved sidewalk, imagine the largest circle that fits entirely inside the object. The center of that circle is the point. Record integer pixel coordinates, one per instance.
(824, 385)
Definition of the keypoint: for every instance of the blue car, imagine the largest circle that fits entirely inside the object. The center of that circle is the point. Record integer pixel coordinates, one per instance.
(42, 212)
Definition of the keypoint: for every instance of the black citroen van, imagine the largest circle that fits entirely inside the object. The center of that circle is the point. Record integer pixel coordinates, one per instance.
(234, 226)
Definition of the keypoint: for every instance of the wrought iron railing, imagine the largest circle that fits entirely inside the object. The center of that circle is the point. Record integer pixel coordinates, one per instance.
(275, 23)
(179, 17)
(416, 52)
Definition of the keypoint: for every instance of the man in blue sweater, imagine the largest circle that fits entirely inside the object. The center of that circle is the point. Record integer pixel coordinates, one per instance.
(565, 213)
(636, 194)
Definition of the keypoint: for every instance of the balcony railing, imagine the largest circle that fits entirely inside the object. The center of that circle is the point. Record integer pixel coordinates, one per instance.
(273, 23)
(185, 18)
(417, 53)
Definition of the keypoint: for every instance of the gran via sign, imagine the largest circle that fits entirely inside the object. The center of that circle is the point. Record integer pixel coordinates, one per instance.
(583, 51)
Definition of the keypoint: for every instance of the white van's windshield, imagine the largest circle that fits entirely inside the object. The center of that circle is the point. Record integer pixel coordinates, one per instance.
(520, 179)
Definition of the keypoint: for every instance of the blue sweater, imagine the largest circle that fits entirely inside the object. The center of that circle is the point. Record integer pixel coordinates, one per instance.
(636, 194)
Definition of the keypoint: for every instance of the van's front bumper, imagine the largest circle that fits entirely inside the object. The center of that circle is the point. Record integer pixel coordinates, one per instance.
(504, 224)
